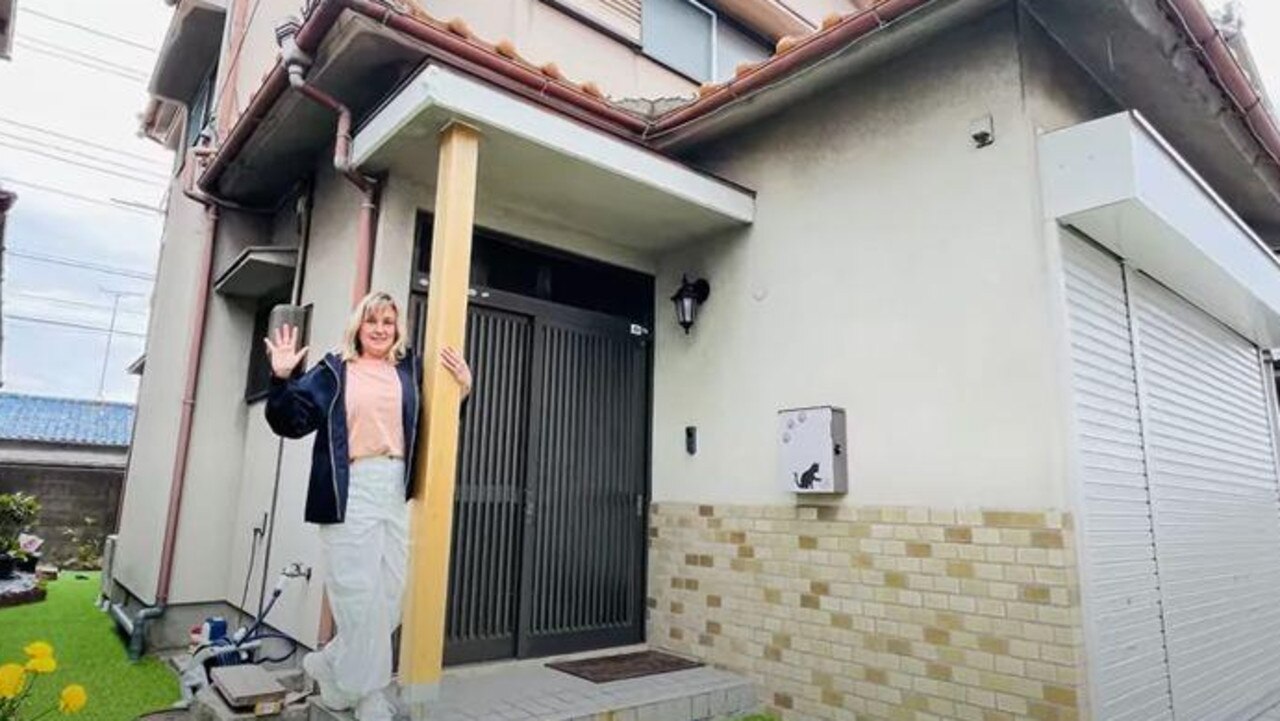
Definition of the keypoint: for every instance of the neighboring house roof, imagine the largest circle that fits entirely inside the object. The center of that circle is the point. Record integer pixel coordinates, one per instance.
(64, 420)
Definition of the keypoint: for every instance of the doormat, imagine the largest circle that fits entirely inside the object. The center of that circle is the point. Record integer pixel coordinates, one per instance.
(623, 666)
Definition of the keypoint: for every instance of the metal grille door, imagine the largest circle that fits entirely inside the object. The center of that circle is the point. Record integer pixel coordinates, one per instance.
(484, 574)
(1213, 483)
(586, 534)
(1129, 667)
(549, 514)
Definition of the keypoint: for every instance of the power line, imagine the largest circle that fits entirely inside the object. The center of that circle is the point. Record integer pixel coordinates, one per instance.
(85, 56)
(74, 196)
(72, 303)
(80, 264)
(74, 139)
(83, 28)
(74, 61)
(88, 156)
(79, 164)
(68, 324)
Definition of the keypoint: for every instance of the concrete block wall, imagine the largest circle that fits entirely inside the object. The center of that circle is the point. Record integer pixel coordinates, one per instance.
(843, 612)
(67, 496)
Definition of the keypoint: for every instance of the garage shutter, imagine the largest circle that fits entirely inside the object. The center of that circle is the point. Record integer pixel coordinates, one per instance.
(1212, 475)
(1122, 593)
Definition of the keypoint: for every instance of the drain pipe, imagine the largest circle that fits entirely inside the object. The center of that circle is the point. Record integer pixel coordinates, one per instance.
(136, 627)
(296, 63)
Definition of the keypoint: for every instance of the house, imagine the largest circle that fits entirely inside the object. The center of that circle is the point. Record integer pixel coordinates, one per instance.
(1025, 247)
(71, 455)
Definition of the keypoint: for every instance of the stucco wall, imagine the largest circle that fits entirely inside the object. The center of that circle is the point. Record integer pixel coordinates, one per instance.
(327, 288)
(248, 549)
(213, 468)
(894, 270)
(1059, 93)
(146, 492)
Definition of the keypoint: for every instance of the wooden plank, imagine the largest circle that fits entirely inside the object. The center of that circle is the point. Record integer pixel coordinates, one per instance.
(431, 513)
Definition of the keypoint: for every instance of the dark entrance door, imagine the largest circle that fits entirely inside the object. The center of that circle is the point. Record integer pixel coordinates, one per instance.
(550, 509)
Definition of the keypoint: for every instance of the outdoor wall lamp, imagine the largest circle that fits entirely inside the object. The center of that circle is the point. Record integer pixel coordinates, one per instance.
(687, 298)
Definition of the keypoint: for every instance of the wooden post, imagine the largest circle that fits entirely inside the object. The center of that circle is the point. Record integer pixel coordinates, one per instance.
(431, 525)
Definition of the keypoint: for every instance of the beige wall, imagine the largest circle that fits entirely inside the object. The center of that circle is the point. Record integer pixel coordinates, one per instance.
(893, 270)
(1058, 91)
(212, 488)
(146, 492)
(327, 287)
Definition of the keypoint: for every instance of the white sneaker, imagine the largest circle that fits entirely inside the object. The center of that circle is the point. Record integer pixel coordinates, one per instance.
(375, 707)
(317, 667)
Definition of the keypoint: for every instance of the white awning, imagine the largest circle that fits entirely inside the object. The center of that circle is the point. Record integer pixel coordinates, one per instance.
(535, 160)
(1118, 182)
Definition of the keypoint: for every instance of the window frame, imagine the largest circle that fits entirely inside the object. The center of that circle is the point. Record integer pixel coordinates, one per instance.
(713, 61)
(205, 99)
(258, 358)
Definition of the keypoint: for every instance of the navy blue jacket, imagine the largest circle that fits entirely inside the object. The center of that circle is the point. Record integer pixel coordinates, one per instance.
(314, 401)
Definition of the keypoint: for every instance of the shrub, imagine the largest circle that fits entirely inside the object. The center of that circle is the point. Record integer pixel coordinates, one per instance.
(17, 512)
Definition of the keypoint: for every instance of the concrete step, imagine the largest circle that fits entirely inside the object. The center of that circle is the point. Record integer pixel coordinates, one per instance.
(210, 706)
(536, 693)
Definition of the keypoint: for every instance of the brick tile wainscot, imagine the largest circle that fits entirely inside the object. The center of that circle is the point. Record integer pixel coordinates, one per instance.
(846, 612)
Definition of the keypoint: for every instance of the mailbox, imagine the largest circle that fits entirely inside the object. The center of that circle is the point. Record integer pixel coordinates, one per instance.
(811, 450)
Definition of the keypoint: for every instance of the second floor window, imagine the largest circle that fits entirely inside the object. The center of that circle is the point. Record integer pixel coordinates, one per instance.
(691, 39)
(201, 108)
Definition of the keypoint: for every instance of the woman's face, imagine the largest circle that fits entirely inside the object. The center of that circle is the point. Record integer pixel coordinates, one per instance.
(378, 332)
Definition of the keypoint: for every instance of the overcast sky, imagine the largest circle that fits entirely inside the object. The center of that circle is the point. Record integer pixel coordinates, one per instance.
(68, 82)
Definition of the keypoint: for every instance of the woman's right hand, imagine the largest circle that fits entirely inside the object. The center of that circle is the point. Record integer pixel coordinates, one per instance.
(283, 350)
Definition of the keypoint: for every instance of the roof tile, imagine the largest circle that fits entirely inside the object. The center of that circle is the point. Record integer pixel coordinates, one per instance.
(65, 420)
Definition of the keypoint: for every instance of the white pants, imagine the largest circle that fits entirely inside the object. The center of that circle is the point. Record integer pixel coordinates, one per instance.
(366, 558)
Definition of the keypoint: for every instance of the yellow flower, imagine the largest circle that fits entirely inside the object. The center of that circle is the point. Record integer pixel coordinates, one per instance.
(12, 680)
(42, 664)
(38, 649)
(72, 699)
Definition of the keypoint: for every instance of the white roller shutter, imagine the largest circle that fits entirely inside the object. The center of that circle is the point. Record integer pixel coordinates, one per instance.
(1122, 594)
(1212, 475)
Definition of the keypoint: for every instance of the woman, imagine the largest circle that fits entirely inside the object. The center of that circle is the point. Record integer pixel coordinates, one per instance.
(364, 402)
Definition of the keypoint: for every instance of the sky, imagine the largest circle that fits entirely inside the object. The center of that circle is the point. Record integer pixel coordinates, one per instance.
(75, 94)
(70, 98)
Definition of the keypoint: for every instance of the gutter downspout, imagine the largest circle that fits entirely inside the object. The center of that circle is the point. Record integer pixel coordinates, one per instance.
(199, 314)
(296, 63)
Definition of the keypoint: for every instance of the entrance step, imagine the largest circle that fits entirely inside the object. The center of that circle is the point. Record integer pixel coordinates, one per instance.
(525, 692)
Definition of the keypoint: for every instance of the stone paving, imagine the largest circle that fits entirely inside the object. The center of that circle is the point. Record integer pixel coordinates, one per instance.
(532, 692)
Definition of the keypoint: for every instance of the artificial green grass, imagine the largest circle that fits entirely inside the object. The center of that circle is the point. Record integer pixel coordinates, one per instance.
(89, 652)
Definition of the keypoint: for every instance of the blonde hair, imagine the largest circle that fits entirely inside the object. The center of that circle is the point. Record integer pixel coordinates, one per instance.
(372, 303)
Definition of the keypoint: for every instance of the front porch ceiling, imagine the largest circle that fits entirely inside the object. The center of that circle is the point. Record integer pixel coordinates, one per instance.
(537, 162)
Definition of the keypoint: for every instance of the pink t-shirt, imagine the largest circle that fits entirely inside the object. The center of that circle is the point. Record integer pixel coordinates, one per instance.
(373, 398)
